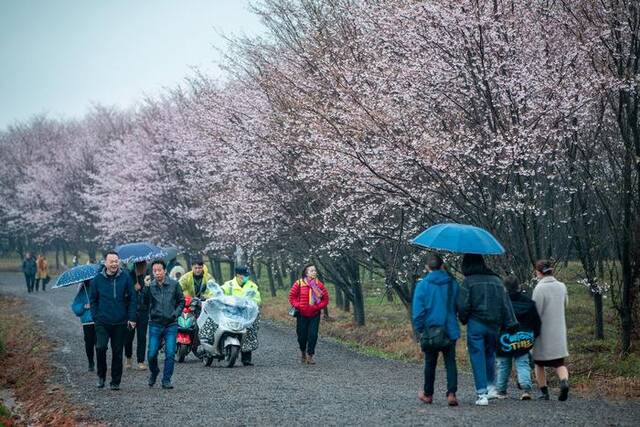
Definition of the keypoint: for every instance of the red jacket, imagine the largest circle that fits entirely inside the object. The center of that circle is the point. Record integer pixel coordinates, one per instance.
(299, 298)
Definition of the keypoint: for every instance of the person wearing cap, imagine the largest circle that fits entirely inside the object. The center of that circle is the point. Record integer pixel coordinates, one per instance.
(240, 286)
(550, 348)
(194, 283)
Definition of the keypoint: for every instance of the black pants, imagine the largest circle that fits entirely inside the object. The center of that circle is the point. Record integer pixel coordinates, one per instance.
(430, 362)
(141, 345)
(38, 281)
(116, 334)
(307, 330)
(89, 332)
(31, 281)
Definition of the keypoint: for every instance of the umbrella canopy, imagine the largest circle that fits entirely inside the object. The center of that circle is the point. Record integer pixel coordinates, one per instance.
(77, 274)
(140, 251)
(459, 238)
(171, 253)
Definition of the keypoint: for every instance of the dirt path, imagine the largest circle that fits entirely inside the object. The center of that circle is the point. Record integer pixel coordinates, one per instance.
(345, 388)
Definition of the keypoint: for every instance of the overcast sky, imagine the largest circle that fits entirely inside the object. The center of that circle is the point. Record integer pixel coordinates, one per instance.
(59, 56)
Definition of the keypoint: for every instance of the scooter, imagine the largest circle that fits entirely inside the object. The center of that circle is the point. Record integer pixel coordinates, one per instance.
(223, 325)
(187, 328)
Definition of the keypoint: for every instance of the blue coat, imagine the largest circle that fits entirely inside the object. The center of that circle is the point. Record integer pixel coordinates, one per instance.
(430, 300)
(82, 298)
(113, 298)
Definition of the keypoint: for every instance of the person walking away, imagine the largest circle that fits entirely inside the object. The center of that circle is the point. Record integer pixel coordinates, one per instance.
(550, 349)
(243, 286)
(142, 320)
(515, 347)
(194, 283)
(82, 308)
(309, 297)
(42, 272)
(113, 308)
(166, 301)
(483, 304)
(434, 305)
(29, 269)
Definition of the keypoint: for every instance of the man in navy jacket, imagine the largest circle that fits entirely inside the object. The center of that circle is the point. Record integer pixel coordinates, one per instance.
(113, 308)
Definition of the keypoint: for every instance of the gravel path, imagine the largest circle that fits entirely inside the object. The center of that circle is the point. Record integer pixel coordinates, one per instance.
(344, 388)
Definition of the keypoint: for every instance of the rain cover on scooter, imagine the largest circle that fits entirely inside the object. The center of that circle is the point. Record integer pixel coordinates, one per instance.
(229, 312)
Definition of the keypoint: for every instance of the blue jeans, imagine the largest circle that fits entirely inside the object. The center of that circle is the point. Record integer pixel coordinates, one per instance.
(482, 341)
(156, 333)
(523, 368)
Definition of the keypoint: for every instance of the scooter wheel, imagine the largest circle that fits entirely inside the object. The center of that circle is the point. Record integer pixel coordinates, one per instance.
(183, 350)
(231, 355)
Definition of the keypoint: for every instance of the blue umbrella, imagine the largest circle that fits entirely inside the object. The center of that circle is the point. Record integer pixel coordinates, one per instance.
(140, 251)
(171, 253)
(77, 274)
(459, 238)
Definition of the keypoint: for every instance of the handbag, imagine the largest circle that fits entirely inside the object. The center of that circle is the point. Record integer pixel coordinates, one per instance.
(293, 312)
(46, 279)
(435, 338)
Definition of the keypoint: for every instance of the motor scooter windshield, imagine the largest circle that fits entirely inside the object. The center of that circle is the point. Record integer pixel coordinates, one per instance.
(231, 312)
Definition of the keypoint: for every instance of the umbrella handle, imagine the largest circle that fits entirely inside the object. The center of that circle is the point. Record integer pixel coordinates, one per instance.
(85, 291)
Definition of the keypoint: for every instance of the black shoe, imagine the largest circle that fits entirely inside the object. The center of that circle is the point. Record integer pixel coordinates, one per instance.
(544, 393)
(167, 386)
(152, 379)
(247, 363)
(100, 383)
(91, 367)
(564, 390)
(114, 386)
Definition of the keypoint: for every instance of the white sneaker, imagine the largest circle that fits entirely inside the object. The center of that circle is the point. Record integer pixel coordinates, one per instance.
(493, 393)
(483, 400)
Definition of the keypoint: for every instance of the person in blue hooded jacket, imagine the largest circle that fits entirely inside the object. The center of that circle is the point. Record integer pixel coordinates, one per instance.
(81, 307)
(434, 306)
(113, 308)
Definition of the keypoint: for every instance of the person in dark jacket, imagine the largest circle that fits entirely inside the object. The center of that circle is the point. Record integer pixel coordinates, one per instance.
(515, 346)
(434, 305)
(29, 268)
(82, 308)
(142, 320)
(166, 301)
(113, 308)
(483, 304)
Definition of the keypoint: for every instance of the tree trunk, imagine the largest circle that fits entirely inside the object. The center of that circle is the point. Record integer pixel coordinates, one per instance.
(339, 297)
(599, 330)
(279, 275)
(217, 270)
(58, 257)
(232, 267)
(259, 270)
(358, 298)
(272, 286)
(64, 255)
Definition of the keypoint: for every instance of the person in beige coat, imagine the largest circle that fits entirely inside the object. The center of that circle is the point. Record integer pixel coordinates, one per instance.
(550, 348)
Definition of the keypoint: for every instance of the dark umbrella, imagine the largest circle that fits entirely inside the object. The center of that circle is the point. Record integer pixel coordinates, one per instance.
(140, 251)
(171, 254)
(77, 274)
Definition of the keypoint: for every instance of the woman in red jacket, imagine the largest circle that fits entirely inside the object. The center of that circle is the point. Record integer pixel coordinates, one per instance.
(309, 296)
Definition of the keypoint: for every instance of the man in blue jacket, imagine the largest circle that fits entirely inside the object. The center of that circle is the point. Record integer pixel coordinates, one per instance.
(113, 309)
(434, 305)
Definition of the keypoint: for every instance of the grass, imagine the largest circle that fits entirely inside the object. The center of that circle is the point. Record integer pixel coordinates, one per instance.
(26, 351)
